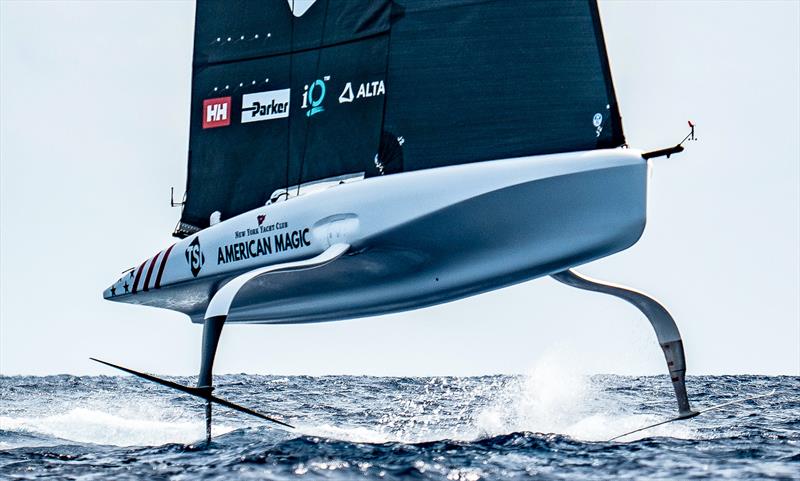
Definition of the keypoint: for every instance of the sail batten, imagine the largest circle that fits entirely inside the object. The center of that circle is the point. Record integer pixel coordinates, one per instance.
(387, 87)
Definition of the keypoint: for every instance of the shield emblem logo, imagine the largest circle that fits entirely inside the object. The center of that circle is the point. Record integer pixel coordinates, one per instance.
(195, 257)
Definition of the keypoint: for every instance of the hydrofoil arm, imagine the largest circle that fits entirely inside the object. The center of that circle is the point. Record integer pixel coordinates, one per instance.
(216, 314)
(668, 336)
(666, 330)
(220, 305)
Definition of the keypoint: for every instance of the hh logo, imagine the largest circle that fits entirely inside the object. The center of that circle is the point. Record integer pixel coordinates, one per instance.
(195, 257)
(216, 112)
(261, 218)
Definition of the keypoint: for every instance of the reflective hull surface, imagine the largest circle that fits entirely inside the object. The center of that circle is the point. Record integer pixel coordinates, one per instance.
(418, 239)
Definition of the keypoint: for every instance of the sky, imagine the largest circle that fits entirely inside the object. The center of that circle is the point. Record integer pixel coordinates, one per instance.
(94, 112)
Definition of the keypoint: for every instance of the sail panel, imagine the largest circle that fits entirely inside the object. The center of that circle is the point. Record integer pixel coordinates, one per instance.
(235, 30)
(274, 139)
(476, 80)
(379, 87)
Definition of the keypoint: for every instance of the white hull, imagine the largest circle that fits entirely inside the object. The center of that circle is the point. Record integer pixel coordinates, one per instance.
(417, 239)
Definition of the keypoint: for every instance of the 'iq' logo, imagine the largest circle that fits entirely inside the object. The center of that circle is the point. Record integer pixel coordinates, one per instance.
(195, 257)
(313, 95)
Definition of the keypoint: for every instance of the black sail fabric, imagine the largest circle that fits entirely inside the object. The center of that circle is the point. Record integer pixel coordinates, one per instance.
(380, 86)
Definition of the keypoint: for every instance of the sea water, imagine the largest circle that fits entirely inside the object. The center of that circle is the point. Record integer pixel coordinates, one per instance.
(548, 424)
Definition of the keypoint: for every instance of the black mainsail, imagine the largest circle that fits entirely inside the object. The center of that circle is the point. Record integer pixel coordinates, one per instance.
(384, 86)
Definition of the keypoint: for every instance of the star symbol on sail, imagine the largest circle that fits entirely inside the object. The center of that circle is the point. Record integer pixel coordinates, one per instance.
(126, 287)
(113, 290)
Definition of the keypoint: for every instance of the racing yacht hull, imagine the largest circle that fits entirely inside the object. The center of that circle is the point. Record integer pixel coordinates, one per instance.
(417, 239)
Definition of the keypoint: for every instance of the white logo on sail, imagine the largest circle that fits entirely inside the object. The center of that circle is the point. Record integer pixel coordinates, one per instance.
(265, 105)
(347, 94)
(216, 112)
(597, 121)
(366, 89)
(299, 7)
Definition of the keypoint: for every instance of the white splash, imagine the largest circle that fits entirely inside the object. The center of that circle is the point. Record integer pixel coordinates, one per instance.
(140, 426)
(556, 397)
(356, 434)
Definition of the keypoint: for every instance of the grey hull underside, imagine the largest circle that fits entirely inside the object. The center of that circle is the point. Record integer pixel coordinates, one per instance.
(486, 242)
